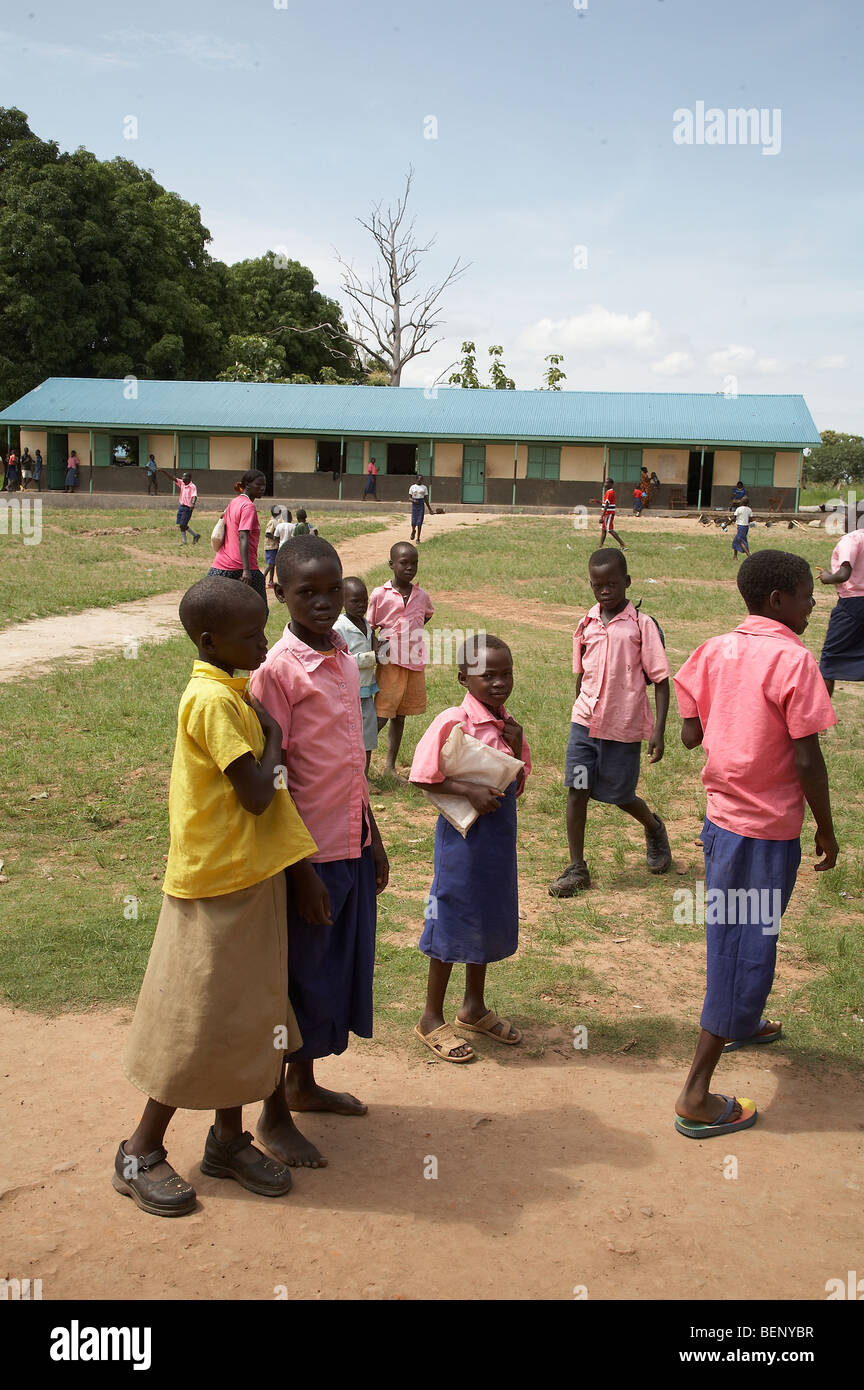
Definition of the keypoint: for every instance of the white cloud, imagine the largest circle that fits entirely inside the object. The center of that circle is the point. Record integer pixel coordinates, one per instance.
(673, 364)
(732, 358)
(206, 50)
(79, 55)
(594, 330)
(830, 364)
(768, 366)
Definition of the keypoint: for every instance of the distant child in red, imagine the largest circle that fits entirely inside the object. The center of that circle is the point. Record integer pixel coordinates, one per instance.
(607, 515)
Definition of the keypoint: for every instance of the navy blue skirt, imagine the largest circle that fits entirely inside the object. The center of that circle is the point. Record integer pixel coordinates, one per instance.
(842, 656)
(739, 540)
(330, 968)
(473, 912)
(418, 511)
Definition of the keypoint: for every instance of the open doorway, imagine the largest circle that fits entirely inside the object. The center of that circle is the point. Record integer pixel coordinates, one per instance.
(402, 458)
(264, 462)
(700, 478)
(328, 456)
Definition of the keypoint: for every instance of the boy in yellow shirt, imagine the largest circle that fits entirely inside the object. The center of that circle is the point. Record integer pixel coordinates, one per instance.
(213, 1019)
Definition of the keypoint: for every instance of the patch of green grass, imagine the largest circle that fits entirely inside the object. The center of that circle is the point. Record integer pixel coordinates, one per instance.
(99, 740)
(92, 558)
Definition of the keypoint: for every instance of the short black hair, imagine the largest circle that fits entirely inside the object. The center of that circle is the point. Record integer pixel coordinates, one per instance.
(403, 545)
(353, 579)
(767, 570)
(468, 656)
(605, 557)
(610, 482)
(303, 550)
(301, 514)
(219, 604)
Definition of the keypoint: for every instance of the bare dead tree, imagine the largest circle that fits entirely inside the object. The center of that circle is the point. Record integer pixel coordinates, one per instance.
(393, 322)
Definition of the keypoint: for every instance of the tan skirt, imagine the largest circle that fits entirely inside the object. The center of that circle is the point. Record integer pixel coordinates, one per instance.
(213, 1018)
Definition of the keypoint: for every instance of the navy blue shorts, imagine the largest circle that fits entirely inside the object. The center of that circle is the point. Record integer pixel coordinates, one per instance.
(270, 556)
(842, 656)
(183, 515)
(748, 884)
(607, 769)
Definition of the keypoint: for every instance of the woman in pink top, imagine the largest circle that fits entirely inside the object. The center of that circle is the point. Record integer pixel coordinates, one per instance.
(238, 556)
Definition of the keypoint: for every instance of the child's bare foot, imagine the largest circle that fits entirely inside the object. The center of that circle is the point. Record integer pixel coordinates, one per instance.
(706, 1111)
(428, 1024)
(285, 1142)
(315, 1097)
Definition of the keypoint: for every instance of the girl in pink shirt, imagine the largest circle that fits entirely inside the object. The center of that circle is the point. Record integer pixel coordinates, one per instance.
(238, 556)
(472, 917)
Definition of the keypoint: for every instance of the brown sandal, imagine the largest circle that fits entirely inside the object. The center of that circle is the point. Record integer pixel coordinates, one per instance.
(487, 1023)
(444, 1042)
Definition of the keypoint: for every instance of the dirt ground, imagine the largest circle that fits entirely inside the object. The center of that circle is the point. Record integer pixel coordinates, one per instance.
(29, 649)
(552, 1172)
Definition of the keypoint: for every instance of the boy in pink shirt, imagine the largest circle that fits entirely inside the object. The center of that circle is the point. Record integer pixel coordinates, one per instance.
(187, 499)
(400, 610)
(843, 652)
(615, 650)
(311, 685)
(762, 679)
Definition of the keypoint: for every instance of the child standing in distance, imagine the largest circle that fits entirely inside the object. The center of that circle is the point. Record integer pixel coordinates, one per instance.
(271, 545)
(639, 496)
(473, 912)
(400, 610)
(615, 650)
(743, 518)
(607, 515)
(213, 1015)
(843, 652)
(285, 528)
(763, 679)
(360, 640)
(187, 500)
(312, 686)
(301, 525)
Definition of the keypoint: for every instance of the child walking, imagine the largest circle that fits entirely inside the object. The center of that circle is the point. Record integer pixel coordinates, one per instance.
(607, 515)
(760, 679)
(615, 651)
(743, 519)
(271, 545)
(473, 912)
(187, 500)
(214, 1002)
(311, 685)
(400, 610)
(360, 640)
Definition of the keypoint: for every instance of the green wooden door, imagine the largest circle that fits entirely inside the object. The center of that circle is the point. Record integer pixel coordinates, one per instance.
(625, 465)
(473, 472)
(354, 456)
(58, 452)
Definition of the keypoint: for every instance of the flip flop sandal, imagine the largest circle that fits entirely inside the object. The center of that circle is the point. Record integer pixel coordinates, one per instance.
(756, 1038)
(487, 1023)
(444, 1042)
(693, 1129)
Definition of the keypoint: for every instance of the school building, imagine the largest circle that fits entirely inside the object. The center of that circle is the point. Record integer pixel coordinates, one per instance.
(498, 447)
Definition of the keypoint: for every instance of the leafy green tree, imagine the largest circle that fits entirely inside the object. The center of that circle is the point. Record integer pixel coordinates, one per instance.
(467, 374)
(500, 380)
(256, 358)
(839, 459)
(553, 375)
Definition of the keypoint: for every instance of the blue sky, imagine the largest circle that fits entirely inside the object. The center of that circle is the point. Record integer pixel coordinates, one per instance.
(555, 125)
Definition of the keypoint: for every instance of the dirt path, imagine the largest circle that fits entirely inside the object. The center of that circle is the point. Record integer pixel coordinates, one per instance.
(32, 648)
(552, 1172)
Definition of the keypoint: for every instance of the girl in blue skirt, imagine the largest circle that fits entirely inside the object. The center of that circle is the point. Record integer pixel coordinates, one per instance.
(472, 916)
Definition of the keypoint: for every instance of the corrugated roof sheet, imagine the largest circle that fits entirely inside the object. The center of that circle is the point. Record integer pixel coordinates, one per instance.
(597, 416)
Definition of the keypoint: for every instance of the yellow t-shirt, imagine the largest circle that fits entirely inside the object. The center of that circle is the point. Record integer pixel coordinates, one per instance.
(216, 846)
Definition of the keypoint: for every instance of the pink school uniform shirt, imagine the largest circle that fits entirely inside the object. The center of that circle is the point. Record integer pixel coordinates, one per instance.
(614, 658)
(850, 550)
(754, 690)
(187, 495)
(476, 720)
(316, 699)
(402, 624)
(240, 515)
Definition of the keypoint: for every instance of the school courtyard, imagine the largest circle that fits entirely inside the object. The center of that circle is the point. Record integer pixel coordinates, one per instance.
(513, 448)
(550, 1170)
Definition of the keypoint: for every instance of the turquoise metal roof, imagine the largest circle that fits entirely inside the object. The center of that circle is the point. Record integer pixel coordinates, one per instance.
(446, 413)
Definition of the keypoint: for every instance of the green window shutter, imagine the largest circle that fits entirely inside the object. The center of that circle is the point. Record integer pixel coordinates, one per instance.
(544, 461)
(193, 451)
(424, 457)
(378, 452)
(101, 450)
(625, 465)
(354, 456)
(757, 469)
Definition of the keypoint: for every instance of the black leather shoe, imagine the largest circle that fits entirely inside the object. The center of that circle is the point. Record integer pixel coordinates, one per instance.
(572, 881)
(152, 1183)
(247, 1165)
(657, 851)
